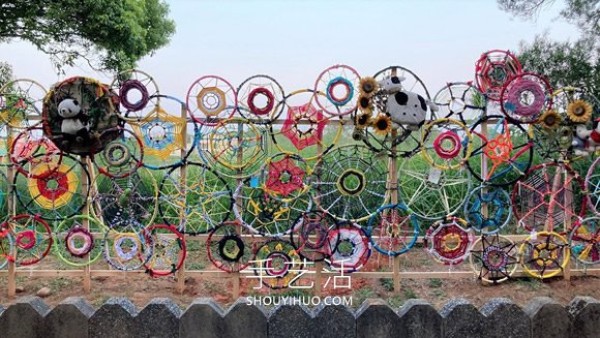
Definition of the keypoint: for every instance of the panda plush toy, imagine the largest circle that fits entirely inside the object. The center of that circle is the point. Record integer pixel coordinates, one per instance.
(72, 126)
(403, 107)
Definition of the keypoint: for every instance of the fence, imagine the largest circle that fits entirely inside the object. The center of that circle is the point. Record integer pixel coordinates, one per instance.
(251, 179)
(118, 317)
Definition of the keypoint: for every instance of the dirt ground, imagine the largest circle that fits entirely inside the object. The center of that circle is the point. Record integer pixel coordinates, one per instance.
(141, 288)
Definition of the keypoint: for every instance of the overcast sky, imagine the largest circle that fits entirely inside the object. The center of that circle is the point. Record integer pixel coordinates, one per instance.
(293, 41)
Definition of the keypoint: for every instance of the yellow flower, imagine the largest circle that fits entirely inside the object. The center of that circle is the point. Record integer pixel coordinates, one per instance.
(362, 120)
(550, 119)
(579, 111)
(368, 86)
(365, 104)
(382, 124)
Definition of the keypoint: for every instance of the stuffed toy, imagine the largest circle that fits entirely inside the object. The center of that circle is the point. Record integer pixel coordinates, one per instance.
(73, 118)
(586, 141)
(403, 107)
(81, 115)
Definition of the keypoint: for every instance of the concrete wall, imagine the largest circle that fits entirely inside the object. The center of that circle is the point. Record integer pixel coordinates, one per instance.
(118, 317)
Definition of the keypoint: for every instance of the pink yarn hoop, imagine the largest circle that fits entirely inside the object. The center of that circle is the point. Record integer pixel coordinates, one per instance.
(525, 85)
(447, 153)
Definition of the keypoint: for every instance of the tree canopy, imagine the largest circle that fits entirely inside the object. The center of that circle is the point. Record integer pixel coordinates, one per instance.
(583, 13)
(6, 73)
(108, 34)
(564, 63)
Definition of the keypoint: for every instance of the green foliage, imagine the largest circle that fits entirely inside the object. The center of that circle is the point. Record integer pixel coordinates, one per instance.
(117, 32)
(435, 283)
(409, 293)
(387, 283)
(395, 301)
(363, 294)
(583, 13)
(564, 63)
(6, 73)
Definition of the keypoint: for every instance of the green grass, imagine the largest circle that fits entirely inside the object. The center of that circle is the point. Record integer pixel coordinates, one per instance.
(387, 283)
(396, 301)
(531, 283)
(409, 293)
(362, 294)
(435, 283)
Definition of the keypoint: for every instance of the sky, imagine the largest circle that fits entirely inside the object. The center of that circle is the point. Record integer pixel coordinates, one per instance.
(294, 41)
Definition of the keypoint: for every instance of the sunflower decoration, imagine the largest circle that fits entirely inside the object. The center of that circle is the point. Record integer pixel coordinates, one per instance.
(365, 104)
(368, 86)
(363, 120)
(579, 111)
(550, 119)
(382, 124)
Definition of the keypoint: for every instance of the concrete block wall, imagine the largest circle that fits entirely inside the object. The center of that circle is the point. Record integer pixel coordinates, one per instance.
(119, 317)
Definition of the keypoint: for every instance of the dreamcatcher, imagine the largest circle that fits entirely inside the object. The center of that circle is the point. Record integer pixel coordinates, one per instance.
(31, 237)
(277, 264)
(31, 149)
(210, 99)
(286, 176)
(264, 213)
(310, 235)
(260, 99)
(525, 96)
(168, 250)
(19, 100)
(584, 241)
(195, 202)
(127, 249)
(494, 258)
(392, 105)
(351, 182)
(449, 241)
(164, 131)
(234, 147)
(136, 88)
(352, 249)
(429, 192)
(502, 151)
(227, 249)
(446, 144)
(340, 83)
(488, 209)
(393, 230)
(550, 195)
(121, 156)
(121, 202)
(306, 130)
(460, 100)
(493, 70)
(545, 254)
(76, 241)
(56, 193)
(76, 114)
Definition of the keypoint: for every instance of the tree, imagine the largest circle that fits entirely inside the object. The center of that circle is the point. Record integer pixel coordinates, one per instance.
(563, 63)
(6, 73)
(583, 13)
(108, 34)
